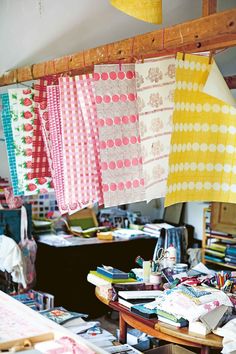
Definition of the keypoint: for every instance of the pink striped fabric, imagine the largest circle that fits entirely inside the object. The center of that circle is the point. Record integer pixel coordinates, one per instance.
(54, 111)
(81, 159)
(121, 159)
(86, 95)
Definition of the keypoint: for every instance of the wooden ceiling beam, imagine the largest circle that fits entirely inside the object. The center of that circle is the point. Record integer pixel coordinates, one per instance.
(211, 32)
(209, 7)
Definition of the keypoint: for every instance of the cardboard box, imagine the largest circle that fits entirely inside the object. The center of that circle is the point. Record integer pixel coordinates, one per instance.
(169, 349)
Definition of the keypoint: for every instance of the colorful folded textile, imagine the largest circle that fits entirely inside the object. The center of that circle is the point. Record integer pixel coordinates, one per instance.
(22, 120)
(7, 129)
(54, 110)
(203, 143)
(78, 143)
(41, 145)
(155, 82)
(121, 158)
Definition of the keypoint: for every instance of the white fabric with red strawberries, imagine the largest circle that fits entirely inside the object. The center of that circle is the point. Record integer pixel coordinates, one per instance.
(22, 120)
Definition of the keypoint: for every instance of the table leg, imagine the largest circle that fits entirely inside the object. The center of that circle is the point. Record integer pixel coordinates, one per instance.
(204, 350)
(123, 329)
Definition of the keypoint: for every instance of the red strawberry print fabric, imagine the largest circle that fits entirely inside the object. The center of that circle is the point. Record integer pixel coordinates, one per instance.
(23, 124)
(42, 162)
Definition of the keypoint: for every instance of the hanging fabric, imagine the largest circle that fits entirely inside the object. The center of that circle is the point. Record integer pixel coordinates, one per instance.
(86, 95)
(29, 250)
(41, 142)
(203, 144)
(80, 168)
(121, 158)
(22, 120)
(178, 238)
(155, 81)
(8, 134)
(54, 110)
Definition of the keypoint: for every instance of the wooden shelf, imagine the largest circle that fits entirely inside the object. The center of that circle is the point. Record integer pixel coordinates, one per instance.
(220, 237)
(220, 264)
(208, 237)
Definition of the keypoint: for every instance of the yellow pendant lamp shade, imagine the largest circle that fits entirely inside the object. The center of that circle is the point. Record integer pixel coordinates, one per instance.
(145, 10)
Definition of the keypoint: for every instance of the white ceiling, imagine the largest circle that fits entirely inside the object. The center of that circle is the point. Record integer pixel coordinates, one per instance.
(32, 31)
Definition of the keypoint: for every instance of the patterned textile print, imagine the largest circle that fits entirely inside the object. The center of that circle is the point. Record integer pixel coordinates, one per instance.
(76, 143)
(155, 80)
(53, 95)
(41, 147)
(203, 144)
(86, 95)
(7, 129)
(121, 159)
(22, 119)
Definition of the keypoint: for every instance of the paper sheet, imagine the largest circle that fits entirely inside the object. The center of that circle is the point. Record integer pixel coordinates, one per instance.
(216, 86)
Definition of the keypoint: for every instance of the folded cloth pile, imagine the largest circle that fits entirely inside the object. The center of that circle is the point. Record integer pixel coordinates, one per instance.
(228, 332)
(191, 302)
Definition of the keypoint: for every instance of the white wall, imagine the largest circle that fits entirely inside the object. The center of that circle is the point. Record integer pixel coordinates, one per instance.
(154, 209)
(194, 216)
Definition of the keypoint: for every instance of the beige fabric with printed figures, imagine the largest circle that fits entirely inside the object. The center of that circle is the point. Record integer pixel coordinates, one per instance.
(155, 81)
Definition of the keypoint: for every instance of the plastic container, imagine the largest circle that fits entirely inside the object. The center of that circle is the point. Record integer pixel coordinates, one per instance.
(180, 268)
(171, 255)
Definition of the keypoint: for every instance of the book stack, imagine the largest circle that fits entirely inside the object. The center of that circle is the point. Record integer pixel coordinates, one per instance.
(215, 252)
(36, 300)
(144, 311)
(112, 273)
(154, 230)
(136, 301)
(170, 319)
(133, 302)
(230, 255)
(64, 317)
(106, 275)
(3, 184)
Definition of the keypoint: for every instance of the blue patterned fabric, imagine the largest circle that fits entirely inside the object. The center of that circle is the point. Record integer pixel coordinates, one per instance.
(7, 129)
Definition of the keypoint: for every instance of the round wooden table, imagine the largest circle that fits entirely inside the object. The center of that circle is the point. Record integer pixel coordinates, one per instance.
(160, 330)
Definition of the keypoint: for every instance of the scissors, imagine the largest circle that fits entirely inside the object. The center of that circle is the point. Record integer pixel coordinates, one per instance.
(158, 256)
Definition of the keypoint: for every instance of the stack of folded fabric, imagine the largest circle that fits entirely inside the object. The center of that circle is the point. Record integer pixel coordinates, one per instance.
(189, 303)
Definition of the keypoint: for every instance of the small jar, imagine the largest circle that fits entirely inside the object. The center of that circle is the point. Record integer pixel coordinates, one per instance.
(155, 278)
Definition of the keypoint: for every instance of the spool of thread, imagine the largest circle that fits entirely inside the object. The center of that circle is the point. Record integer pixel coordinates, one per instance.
(180, 268)
(155, 278)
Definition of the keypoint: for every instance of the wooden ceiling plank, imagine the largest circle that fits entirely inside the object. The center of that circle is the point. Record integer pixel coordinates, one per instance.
(209, 7)
(206, 33)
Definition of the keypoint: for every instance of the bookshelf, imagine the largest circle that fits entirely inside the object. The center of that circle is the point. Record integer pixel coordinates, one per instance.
(214, 243)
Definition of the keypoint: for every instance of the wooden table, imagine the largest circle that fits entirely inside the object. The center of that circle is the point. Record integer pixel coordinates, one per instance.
(160, 330)
(62, 271)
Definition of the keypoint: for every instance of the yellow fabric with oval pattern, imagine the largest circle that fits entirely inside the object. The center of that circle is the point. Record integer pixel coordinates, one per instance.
(202, 162)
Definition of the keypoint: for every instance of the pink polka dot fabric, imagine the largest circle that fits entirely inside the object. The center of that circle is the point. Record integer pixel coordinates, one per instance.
(118, 125)
(80, 144)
